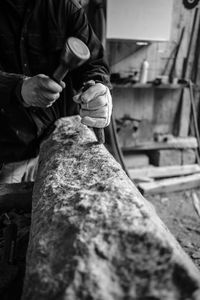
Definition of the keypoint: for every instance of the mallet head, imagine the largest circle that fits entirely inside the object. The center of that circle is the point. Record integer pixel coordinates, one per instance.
(74, 54)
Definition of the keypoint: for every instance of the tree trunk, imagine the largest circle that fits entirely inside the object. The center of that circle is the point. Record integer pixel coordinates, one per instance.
(93, 235)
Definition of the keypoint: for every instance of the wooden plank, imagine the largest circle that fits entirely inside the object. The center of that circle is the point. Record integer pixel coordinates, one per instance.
(164, 172)
(175, 143)
(171, 185)
(165, 108)
(147, 86)
(137, 103)
(166, 157)
(184, 118)
(189, 156)
(196, 203)
(135, 160)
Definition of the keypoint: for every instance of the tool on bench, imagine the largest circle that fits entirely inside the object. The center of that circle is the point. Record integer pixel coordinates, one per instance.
(75, 53)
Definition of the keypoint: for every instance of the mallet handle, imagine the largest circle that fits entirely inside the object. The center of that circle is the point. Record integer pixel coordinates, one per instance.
(74, 54)
(60, 73)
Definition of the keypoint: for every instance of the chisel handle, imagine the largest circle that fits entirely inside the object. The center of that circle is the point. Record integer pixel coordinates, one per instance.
(100, 135)
(99, 132)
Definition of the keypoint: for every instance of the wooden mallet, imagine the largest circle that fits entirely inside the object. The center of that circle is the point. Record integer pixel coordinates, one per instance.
(75, 54)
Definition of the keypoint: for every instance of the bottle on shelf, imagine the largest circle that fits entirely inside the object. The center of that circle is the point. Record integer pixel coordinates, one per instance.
(144, 72)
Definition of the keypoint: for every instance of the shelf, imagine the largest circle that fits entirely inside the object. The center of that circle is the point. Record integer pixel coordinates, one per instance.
(176, 143)
(148, 86)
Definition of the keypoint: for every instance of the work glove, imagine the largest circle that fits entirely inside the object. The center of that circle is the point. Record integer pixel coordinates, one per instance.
(40, 91)
(96, 105)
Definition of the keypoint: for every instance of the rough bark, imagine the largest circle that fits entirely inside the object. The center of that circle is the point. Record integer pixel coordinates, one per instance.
(93, 235)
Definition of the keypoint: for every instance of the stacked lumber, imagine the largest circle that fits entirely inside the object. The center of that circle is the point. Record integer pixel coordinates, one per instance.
(166, 179)
(172, 165)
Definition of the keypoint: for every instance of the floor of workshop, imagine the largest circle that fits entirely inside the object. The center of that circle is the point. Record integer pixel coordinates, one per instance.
(177, 210)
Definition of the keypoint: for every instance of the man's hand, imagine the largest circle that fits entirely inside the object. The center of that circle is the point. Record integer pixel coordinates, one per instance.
(40, 91)
(96, 105)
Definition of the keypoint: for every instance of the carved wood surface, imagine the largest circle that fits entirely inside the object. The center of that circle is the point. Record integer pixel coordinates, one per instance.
(93, 235)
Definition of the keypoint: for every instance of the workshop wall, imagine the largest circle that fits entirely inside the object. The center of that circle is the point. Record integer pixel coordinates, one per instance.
(126, 57)
(144, 113)
(158, 109)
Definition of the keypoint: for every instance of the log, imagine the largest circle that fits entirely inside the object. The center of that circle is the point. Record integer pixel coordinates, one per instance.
(185, 110)
(170, 184)
(93, 235)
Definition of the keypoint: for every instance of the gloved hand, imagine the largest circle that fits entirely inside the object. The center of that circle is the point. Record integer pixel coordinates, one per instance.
(96, 105)
(40, 91)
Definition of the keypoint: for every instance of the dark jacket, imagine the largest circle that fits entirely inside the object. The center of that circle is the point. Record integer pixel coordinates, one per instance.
(31, 46)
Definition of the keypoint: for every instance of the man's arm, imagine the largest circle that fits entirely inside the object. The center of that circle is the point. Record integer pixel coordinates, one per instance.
(39, 91)
(96, 67)
(8, 87)
(96, 101)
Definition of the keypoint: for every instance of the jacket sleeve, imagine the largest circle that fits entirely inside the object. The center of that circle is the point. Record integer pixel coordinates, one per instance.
(9, 91)
(96, 68)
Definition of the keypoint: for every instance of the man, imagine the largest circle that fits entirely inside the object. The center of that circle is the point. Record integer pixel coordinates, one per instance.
(32, 36)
